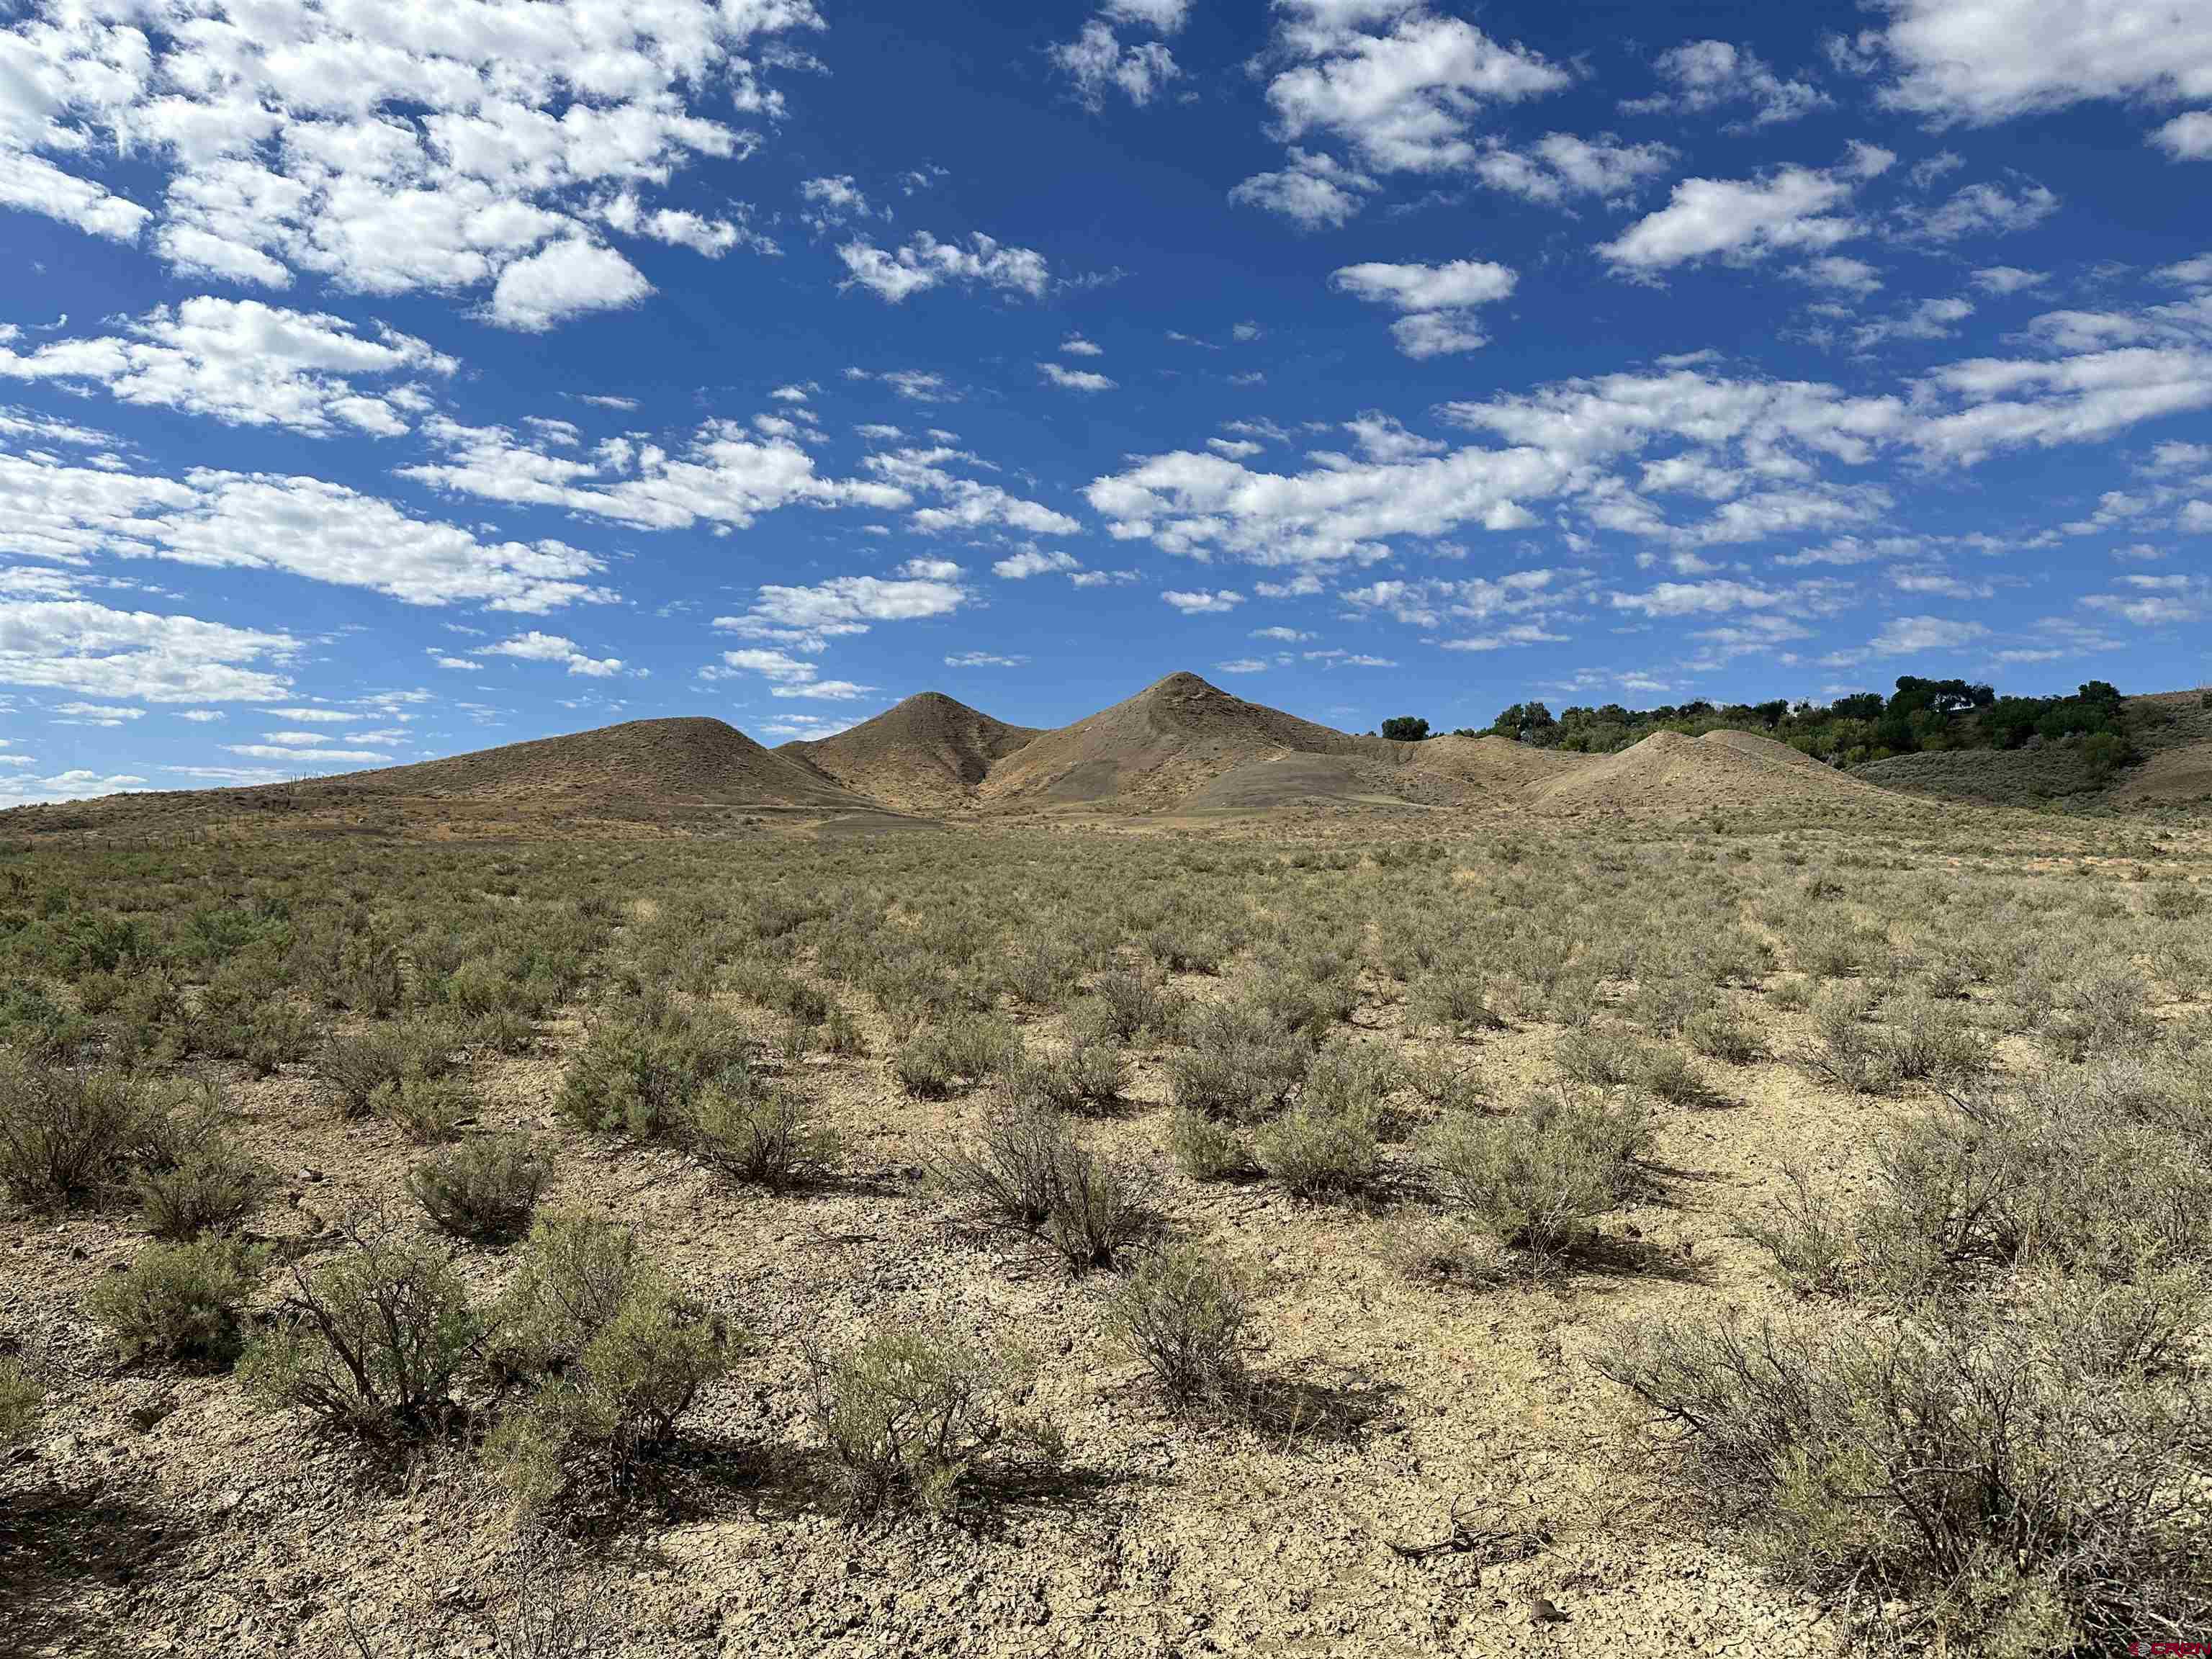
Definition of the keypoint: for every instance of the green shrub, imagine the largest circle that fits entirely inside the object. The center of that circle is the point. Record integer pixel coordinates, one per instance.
(911, 1412)
(641, 1071)
(576, 1273)
(1242, 1064)
(616, 1403)
(212, 1185)
(429, 1110)
(485, 1189)
(966, 1050)
(66, 1133)
(1321, 1147)
(1599, 1058)
(840, 1034)
(767, 1137)
(1668, 1074)
(178, 1302)
(1133, 1005)
(1184, 1314)
(1720, 1033)
(21, 1402)
(373, 1340)
(352, 1069)
(1208, 1149)
(1535, 1179)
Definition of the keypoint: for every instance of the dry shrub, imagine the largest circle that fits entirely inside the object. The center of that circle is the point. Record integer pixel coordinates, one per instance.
(1184, 1314)
(1536, 1178)
(767, 1136)
(67, 1132)
(2030, 1471)
(178, 1302)
(915, 1413)
(22, 1403)
(1028, 1169)
(373, 1341)
(484, 1189)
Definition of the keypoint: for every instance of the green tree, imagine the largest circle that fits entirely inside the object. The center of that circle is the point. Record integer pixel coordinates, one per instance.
(1406, 728)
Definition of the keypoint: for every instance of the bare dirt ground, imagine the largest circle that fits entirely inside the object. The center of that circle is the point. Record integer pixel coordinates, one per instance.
(156, 1512)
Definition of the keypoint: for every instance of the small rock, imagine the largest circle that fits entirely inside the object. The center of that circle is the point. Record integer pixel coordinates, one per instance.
(309, 1173)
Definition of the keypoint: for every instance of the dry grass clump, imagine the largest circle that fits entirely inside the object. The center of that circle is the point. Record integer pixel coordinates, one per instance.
(21, 1404)
(966, 1050)
(916, 1414)
(645, 1065)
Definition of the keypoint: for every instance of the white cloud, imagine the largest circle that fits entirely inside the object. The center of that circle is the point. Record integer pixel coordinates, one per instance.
(1316, 191)
(76, 646)
(725, 475)
(1906, 636)
(319, 756)
(963, 503)
(534, 647)
(1074, 380)
(807, 619)
(80, 785)
(1983, 210)
(97, 713)
(1096, 61)
(389, 149)
(789, 677)
(241, 361)
(1741, 220)
(1397, 83)
(1075, 346)
(1988, 60)
(323, 531)
(983, 659)
(1840, 273)
(1438, 299)
(1461, 283)
(563, 280)
(924, 263)
(2001, 280)
(314, 716)
(2188, 137)
(1560, 165)
(1203, 602)
(1707, 74)
(1242, 665)
(1031, 562)
(833, 200)
(1168, 17)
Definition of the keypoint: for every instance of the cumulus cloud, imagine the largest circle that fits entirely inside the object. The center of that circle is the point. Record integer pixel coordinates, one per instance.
(1097, 62)
(1437, 301)
(1074, 380)
(304, 527)
(1741, 220)
(1033, 561)
(1315, 191)
(1203, 602)
(1980, 61)
(924, 263)
(243, 362)
(389, 148)
(2188, 137)
(79, 647)
(534, 647)
(564, 280)
(806, 618)
(1559, 165)
(1700, 75)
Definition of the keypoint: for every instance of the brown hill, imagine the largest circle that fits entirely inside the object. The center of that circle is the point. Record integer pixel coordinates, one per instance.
(1489, 768)
(930, 754)
(1668, 775)
(1155, 749)
(682, 761)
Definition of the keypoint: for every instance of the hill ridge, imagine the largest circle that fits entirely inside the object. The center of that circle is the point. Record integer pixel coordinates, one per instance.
(929, 752)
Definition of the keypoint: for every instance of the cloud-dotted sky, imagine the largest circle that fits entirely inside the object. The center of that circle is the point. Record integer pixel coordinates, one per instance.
(381, 378)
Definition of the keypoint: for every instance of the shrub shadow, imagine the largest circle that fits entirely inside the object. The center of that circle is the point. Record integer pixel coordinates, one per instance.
(59, 1549)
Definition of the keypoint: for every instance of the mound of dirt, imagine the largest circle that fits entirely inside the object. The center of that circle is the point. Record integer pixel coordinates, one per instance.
(1488, 768)
(1294, 778)
(673, 760)
(2173, 777)
(1668, 776)
(1154, 750)
(930, 754)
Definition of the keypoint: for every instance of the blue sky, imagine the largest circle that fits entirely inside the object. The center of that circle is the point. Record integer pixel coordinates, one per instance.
(380, 381)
